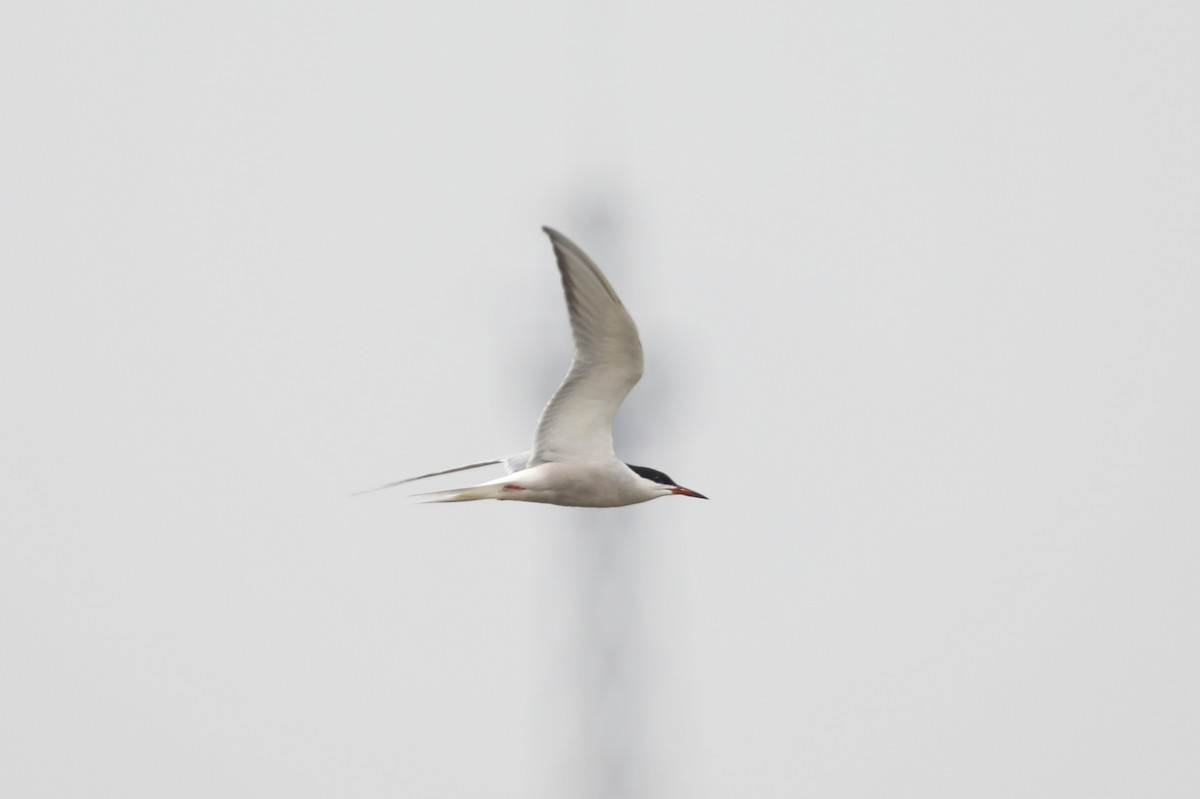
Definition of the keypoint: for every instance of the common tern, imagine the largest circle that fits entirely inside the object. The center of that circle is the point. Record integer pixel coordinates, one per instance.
(572, 461)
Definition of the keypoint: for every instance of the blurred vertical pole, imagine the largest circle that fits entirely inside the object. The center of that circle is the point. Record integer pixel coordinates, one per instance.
(608, 632)
(604, 544)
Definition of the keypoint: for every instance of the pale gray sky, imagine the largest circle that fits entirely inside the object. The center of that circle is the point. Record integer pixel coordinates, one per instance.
(919, 287)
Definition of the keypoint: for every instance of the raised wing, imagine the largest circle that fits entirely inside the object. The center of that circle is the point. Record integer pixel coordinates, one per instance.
(576, 425)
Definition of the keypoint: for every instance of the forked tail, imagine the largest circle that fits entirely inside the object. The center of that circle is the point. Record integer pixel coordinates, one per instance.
(513, 463)
(485, 491)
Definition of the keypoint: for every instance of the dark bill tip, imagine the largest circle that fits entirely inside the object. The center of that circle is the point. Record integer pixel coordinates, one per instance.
(687, 492)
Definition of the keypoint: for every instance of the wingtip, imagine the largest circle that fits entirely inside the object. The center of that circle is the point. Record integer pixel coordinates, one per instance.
(563, 245)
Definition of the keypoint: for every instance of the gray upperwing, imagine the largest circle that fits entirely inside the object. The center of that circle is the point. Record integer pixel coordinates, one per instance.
(576, 425)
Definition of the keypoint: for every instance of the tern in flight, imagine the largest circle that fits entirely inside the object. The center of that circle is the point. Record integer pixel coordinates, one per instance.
(572, 461)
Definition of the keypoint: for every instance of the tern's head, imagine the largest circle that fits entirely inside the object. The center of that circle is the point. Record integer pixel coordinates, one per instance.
(662, 484)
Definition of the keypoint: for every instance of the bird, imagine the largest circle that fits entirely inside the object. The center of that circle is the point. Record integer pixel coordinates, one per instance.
(572, 461)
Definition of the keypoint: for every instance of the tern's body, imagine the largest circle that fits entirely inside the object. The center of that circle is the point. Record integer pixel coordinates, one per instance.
(572, 461)
(597, 484)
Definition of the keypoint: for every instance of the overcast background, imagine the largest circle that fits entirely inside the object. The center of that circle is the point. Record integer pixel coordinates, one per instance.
(919, 290)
